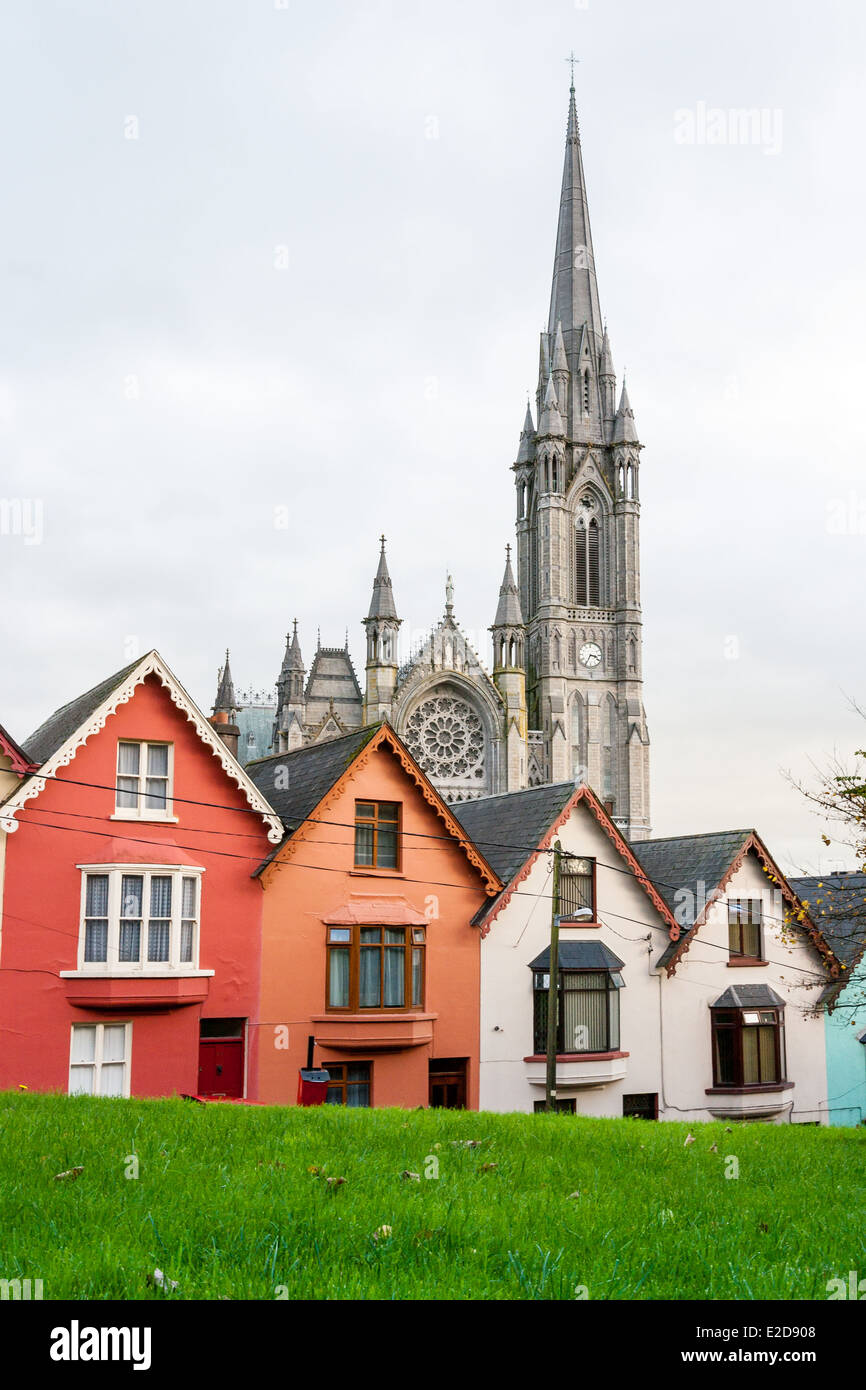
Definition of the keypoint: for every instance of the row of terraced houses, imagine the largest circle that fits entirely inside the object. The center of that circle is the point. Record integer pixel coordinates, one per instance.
(174, 923)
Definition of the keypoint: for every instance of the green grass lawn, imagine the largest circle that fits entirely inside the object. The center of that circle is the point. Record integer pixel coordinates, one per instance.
(229, 1204)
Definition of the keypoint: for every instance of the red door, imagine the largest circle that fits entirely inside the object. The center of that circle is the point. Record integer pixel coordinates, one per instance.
(221, 1067)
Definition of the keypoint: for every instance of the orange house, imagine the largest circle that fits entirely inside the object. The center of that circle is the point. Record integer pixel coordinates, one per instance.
(368, 945)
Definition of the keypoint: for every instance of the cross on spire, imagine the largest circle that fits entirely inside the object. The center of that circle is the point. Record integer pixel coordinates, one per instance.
(571, 59)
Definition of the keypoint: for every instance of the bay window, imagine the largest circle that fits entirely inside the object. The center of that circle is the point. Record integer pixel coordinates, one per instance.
(588, 1011)
(376, 967)
(138, 919)
(748, 1046)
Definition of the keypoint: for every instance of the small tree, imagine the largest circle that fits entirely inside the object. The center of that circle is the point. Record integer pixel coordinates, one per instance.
(839, 796)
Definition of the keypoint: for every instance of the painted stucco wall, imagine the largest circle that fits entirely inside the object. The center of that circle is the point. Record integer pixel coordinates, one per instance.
(793, 971)
(846, 1057)
(70, 824)
(665, 1022)
(315, 879)
(522, 930)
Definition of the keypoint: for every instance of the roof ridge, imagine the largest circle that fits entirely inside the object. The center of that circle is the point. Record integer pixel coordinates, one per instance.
(700, 835)
(308, 747)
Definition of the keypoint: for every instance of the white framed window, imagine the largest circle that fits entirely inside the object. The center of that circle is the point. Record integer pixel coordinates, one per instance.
(144, 781)
(99, 1059)
(139, 919)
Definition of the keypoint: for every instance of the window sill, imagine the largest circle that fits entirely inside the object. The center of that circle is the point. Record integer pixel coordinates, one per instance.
(741, 962)
(566, 922)
(749, 1090)
(114, 973)
(376, 873)
(578, 1056)
(144, 820)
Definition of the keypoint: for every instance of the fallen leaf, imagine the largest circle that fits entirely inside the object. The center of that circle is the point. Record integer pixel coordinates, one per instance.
(335, 1182)
(410, 1177)
(70, 1173)
(714, 1148)
(383, 1233)
(159, 1280)
(486, 1167)
(571, 1195)
(689, 1139)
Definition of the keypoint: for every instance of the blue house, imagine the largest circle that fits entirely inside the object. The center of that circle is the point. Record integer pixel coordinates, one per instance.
(837, 904)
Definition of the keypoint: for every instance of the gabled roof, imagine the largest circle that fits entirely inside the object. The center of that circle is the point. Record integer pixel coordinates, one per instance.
(56, 742)
(63, 723)
(298, 783)
(836, 903)
(22, 764)
(692, 871)
(307, 774)
(748, 997)
(580, 955)
(514, 828)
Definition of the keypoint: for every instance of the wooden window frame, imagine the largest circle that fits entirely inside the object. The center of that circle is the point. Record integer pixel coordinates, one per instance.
(373, 823)
(734, 1021)
(97, 1062)
(540, 999)
(140, 812)
(593, 875)
(736, 923)
(344, 1083)
(113, 966)
(415, 941)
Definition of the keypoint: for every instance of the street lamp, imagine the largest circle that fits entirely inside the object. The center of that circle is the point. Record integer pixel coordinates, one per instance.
(582, 914)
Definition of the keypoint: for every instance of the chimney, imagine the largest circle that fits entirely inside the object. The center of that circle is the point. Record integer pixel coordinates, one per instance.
(229, 733)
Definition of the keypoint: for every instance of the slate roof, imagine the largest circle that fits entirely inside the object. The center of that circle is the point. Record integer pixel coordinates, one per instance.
(837, 906)
(696, 863)
(60, 726)
(685, 861)
(508, 828)
(580, 955)
(749, 997)
(308, 774)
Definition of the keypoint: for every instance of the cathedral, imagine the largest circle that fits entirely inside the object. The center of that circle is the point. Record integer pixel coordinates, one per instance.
(563, 698)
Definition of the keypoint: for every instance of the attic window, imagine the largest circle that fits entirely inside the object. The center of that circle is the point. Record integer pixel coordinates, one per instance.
(144, 775)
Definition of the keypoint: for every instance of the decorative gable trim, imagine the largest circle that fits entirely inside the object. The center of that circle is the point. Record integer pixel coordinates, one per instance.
(754, 843)
(21, 764)
(151, 664)
(585, 793)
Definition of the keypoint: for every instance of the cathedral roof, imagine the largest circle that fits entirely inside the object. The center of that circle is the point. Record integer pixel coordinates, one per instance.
(560, 361)
(508, 612)
(382, 602)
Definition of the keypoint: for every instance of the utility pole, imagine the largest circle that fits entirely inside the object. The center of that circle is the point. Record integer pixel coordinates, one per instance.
(553, 986)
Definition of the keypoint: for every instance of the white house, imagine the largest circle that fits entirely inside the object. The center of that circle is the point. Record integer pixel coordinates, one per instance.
(683, 996)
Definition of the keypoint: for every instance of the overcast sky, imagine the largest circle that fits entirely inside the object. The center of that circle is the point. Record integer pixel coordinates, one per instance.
(287, 263)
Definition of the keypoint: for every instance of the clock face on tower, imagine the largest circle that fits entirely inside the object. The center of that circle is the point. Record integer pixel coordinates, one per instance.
(590, 654)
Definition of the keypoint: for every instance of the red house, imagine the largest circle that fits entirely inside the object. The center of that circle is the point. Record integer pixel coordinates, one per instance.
(130, 925)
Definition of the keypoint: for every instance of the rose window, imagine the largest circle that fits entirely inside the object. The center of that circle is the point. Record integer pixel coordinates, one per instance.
(446, 737)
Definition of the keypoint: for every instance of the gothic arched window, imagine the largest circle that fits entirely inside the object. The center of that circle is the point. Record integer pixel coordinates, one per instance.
(587, 566)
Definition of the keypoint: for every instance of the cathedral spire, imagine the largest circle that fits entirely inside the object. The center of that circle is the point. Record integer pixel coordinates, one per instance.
(382, 602)
(551, 419)
(508, 612)
(293, 661)
(574, 294)
(624, 427)
(527, 435)
(225, 699)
